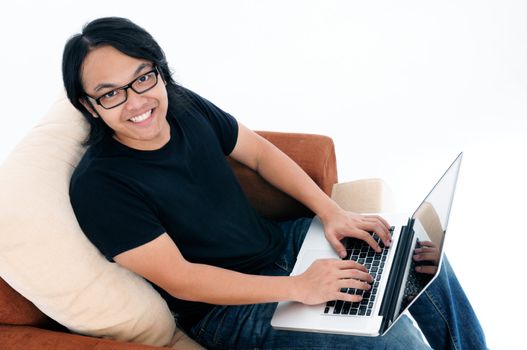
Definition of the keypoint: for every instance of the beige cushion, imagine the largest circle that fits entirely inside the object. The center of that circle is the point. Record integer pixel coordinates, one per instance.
(363, 196)
(45, 256)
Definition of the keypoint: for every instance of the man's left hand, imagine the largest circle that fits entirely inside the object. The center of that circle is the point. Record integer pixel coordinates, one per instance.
(339, 224)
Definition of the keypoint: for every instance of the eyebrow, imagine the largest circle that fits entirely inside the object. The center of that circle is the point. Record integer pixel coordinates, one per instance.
(110, 85)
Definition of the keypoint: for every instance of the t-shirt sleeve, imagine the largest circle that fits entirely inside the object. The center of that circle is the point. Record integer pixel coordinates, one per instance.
(112, 216)
(225, 125)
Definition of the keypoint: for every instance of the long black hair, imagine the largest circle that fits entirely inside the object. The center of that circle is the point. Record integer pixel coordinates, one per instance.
(123, 35)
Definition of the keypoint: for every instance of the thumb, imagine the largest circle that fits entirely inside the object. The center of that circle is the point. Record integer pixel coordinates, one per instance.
(337, 246)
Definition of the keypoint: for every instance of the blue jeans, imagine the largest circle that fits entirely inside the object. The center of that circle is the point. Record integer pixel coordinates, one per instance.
(443, 314)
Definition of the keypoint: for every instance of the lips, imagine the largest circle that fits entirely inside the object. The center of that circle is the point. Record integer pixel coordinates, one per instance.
(142, 117)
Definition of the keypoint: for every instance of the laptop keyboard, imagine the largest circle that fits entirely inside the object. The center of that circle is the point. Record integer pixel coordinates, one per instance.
(362, 253)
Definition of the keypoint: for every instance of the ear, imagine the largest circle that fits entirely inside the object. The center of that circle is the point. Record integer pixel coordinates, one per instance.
(89, 107)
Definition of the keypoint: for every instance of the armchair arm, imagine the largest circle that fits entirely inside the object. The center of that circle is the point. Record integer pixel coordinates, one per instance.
(314, 153)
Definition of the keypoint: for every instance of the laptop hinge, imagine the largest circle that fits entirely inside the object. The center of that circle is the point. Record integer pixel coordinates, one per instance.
(393, 286)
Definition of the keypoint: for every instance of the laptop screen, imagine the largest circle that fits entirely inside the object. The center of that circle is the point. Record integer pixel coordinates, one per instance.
(430, 222)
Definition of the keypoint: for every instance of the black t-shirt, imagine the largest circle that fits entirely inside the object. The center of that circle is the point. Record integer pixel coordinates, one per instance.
(124, 198)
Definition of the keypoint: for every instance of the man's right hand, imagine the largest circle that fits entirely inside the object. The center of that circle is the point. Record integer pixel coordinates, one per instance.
(325, 278)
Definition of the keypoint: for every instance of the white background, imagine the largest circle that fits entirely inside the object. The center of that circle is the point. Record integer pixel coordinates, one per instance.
(400, 86)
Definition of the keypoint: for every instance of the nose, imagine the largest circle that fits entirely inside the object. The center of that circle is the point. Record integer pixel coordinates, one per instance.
(134, 100)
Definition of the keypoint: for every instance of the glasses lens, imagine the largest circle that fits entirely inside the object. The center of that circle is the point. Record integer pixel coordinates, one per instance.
(145, 82)
(113, 98)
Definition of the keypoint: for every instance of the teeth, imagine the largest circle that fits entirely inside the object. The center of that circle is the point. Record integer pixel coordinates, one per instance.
(141, 117)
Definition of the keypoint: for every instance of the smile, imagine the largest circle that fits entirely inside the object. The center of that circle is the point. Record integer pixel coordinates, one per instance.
(142, 117)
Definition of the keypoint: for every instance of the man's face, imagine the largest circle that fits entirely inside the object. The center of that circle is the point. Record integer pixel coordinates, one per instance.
(140, 122)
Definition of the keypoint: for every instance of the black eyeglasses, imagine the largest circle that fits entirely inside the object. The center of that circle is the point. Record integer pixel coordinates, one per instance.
(119, 96)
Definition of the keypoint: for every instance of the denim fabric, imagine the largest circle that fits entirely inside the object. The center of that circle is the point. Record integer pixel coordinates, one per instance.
(248, 326)
(445, 315)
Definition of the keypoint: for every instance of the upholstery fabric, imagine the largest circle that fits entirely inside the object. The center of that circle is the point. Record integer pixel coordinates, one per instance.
(364, 196)
(315, 154)
(25, 338)
(17, 310)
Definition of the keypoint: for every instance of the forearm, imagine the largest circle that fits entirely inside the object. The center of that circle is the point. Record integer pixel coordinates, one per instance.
(324, 280)
(214, 285)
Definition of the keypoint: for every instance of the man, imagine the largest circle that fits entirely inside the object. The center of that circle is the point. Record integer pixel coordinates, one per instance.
(154, 193)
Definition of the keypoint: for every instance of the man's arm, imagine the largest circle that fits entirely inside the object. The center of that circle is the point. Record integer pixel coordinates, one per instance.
(277, 168)
(161, 262)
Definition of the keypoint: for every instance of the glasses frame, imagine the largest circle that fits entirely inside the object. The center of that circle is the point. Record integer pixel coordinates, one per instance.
(126, 87)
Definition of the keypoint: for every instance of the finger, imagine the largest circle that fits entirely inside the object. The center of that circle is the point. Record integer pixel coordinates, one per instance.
(381, 219)
(355, 274)
(366, 237)
(359, 234)
(353, 298)
(350, 264)
(426, 257)
(425, 250)
(378, 227)
(426, 244)
(337, 246)
(352, 283)
(429, 270)
(380, 230)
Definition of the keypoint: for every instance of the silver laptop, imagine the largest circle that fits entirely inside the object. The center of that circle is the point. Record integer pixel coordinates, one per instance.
(397, 284)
